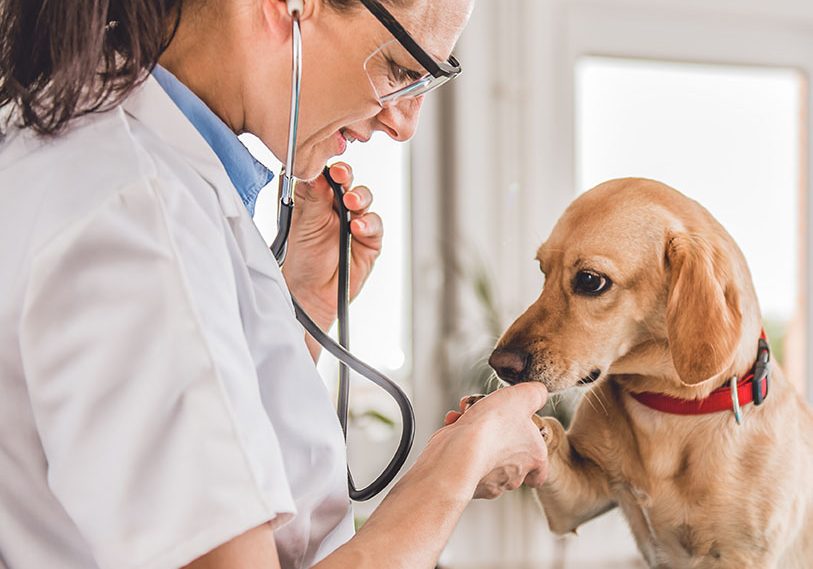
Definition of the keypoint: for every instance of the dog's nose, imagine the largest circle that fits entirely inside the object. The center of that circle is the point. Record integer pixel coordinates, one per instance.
(510, 365)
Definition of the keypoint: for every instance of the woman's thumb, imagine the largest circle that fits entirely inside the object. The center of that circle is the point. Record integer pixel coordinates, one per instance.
(532, 394)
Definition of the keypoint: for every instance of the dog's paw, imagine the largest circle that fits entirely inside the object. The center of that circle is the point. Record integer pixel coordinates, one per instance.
(551, 430)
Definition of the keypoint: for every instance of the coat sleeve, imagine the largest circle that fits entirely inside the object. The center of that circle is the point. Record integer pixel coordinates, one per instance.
(144, 392)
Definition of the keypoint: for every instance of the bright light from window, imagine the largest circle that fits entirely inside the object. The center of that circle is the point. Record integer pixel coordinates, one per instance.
(726, 136)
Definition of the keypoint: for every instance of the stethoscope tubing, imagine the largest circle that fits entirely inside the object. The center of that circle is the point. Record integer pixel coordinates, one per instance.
(339, 350)
(347, 361)
(393, 389)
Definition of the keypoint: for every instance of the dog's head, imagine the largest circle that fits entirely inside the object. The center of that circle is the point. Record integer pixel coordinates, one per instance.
(639, 281)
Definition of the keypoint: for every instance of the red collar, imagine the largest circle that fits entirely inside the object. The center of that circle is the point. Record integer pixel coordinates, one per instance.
(751, 388)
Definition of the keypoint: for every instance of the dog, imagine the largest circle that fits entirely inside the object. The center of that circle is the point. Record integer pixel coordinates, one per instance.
(650, 301)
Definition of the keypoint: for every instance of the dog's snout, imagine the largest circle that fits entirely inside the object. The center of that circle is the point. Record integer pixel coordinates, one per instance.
(510, 365)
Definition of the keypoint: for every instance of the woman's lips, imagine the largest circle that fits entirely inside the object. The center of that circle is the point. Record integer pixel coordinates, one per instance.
(341, 143)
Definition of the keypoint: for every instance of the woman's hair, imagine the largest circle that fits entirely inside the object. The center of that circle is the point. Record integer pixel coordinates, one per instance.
(60, 59)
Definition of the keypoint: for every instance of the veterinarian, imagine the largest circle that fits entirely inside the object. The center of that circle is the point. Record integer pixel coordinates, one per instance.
(160, 404)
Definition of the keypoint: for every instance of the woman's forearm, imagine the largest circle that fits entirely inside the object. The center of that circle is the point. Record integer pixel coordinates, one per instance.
(412, 525)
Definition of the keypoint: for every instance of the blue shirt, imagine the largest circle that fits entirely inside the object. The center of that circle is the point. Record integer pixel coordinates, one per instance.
(248, 174)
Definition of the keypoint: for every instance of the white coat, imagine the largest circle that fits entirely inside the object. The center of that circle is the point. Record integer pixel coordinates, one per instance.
(156, 394)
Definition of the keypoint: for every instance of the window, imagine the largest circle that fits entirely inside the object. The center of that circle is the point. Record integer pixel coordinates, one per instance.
(729, 137)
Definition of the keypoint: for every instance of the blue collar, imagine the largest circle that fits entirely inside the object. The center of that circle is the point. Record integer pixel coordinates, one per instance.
(247, 174)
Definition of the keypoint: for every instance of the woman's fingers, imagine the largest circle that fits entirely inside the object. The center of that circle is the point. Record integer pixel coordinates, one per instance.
(500, 480)
(358, 200)
(468, 401)
(367, 225)
(368, 230)
(528, 397)
(342, 174)
(451, 417)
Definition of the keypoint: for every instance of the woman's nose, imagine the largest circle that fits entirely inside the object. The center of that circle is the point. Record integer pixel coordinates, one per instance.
(401, 119)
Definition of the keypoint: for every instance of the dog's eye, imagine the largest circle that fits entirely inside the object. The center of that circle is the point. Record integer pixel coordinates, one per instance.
(590, 283)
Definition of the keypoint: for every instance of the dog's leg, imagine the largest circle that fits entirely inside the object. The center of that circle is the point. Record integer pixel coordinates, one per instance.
(576, 489)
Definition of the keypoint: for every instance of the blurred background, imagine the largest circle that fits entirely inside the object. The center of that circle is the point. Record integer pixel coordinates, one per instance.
(709, 96)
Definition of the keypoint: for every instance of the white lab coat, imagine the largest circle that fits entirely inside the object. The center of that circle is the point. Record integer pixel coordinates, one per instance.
(156, 394)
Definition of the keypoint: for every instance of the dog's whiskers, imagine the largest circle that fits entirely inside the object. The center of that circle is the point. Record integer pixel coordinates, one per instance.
(587, 398)
(597, 396)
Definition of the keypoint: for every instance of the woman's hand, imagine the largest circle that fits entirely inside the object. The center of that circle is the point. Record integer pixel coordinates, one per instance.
(311, 265)
(500, 436)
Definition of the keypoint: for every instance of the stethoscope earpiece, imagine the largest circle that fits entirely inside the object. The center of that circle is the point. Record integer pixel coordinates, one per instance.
(295, 6)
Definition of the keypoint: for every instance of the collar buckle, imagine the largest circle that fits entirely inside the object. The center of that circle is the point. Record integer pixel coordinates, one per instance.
(735, 398)
(761, 371)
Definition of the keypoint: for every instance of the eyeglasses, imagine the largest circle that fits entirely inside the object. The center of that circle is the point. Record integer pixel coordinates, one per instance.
(392, 67)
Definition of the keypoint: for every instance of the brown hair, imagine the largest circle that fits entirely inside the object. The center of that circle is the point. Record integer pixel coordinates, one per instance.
(60, 59)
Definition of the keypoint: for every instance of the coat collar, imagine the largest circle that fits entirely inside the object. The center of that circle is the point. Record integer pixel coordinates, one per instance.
(248, 174)
(150, 105)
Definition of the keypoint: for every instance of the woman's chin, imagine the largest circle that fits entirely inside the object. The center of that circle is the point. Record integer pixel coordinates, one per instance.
(309, 169)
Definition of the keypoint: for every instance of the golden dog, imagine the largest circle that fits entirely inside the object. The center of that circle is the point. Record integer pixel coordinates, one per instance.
(645, 292)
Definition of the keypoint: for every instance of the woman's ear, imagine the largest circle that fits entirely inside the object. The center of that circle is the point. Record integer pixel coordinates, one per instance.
(703, 315)
(278, 19)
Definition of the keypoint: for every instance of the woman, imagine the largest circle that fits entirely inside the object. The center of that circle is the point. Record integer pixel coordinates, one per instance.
(160, 407)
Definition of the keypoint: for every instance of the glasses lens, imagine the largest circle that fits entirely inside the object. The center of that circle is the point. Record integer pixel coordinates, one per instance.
(422, 87)
(394, 73)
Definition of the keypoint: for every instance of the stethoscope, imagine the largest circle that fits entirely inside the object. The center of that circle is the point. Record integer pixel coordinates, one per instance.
(340, 351)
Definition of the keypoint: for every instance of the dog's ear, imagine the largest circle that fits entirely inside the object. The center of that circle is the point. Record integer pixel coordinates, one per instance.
(703, 315)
